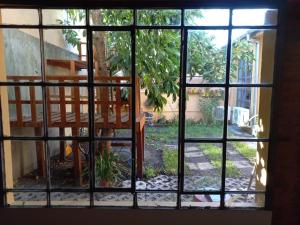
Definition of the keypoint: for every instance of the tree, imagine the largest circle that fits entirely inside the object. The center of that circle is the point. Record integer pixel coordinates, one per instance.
(157, 50)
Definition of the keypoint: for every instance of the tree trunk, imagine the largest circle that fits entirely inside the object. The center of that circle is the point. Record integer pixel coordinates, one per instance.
(102, 71)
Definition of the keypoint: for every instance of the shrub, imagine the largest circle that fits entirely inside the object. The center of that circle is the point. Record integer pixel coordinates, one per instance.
(150, 172)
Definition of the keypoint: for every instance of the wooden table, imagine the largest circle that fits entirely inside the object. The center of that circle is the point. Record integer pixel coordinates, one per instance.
(66, 111)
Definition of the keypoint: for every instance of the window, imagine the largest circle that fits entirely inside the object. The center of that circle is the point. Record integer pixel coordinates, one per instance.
(136, 107)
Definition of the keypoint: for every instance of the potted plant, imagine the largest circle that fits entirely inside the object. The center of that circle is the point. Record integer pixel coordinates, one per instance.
(108, 169)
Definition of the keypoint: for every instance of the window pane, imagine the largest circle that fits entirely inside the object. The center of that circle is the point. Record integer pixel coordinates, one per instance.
(246, 166)
(67, 111)
(157, 199)
(25, 164)
(245, 200)
(65, 55)
(112, 56)
(160, 161)
(70, 198)
(113, 164)
(65, 17)
(249, 112)
(254, 17)
(69, 164)
(202, 201)
(158, 58)
(19, 16)
(206, 56)
(202, 166)
(113, 199)
(206, 17)
(25, 111)
(252, 58)
(204, 115)
(21, 55)
(111, 17)
(26, 199)
(113, 111)
(159, 17)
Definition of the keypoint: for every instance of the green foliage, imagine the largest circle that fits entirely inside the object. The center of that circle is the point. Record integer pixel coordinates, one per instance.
(150, 172)
(109, 168)
(159, 17)
(241, 50)
(245, 150)
(169, 132)
(115, 17)
(211, 151)
(204, 58)
(231, 170)
(158, 51)
(119, 52)
(158, 61)
(72, 36)
(208, 103)
(170, 159)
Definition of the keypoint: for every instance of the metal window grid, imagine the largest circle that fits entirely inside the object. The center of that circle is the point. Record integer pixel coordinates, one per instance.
(182, 96)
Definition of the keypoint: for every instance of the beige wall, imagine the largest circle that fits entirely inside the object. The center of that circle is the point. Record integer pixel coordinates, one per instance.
(29, 16)
(171, 109)
(24, 154)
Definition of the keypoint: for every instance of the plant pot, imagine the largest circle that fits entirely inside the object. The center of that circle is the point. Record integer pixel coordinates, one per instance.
(104, 183)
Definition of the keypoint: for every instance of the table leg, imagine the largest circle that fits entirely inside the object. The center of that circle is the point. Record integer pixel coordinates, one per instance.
(40, 153)
(76, 152)
(62, 145)
(139, 148)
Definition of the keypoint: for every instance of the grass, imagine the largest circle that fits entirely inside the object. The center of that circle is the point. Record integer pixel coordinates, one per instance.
(214, 154)
(170, 159)
(169, 132)
(244, 150)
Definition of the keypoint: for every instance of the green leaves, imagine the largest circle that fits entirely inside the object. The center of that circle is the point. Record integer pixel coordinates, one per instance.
(158, 50)
(108, 167)
(158, 60)
(204, 58)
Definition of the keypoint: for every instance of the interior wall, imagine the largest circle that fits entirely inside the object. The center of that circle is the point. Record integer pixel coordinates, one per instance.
(285, 179)
(133, 217)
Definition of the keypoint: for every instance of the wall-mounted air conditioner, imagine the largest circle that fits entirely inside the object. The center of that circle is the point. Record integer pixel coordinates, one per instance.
(239, 116)
(219, 113)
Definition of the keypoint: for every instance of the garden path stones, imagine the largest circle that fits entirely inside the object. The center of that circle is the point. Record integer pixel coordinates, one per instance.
(191, 149)
(239, 161)
(242, 164)
(200, 166)
(161, 182)
(193, 154)
(196, 162)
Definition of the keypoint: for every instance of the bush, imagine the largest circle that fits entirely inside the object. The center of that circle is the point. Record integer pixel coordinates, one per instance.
(150, 172)
(207, 107)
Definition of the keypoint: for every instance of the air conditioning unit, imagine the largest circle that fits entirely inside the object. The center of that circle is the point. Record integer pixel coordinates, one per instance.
(239, 116)
(219, 113)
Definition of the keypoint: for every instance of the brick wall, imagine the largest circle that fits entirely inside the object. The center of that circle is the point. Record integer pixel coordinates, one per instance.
(286, 157)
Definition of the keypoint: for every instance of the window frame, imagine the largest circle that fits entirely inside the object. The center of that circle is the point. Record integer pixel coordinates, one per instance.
(183, 85)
